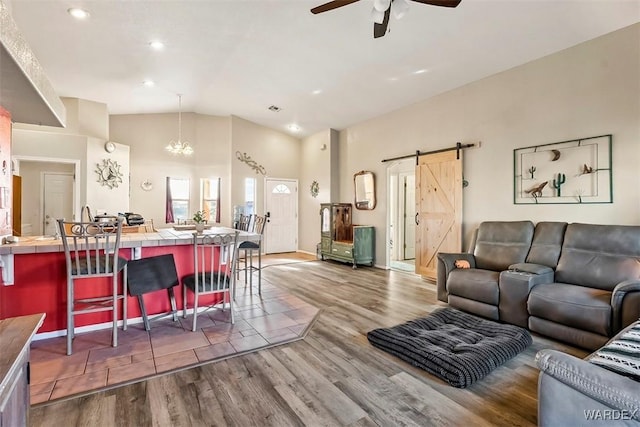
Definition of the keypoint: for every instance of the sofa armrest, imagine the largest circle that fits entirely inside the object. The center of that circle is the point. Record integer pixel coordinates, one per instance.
(613, 390)
(447, 263)
(527, 267)
(620, 292)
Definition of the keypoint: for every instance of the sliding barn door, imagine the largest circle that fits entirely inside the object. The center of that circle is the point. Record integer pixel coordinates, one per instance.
(439, 209)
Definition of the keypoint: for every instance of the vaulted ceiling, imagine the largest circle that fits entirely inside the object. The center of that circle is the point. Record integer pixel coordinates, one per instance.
(238, 57)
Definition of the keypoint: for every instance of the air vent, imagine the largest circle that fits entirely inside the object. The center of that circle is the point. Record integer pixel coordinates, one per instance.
(275, 108)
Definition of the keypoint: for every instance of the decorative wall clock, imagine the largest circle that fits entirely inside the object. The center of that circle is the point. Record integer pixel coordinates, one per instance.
(146, 185)
(109, 146)
(109, 173)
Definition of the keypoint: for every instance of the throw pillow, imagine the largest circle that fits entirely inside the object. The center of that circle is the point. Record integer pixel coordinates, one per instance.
(621, 355)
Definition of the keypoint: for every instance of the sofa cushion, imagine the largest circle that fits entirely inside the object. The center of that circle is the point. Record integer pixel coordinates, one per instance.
(475, 284)
(580, 307)
(599, 256)
(546, 244)
(502, 243)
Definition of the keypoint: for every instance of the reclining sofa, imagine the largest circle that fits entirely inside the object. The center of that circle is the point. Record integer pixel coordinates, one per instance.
(577, 283)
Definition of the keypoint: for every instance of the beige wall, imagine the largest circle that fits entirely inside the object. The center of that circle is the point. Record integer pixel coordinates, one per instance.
(279, 153)
(147, 136)
(316, 152)
(215, 141)
(588, 90)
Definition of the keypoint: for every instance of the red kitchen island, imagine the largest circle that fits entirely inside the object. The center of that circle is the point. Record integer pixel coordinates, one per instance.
(34, 277)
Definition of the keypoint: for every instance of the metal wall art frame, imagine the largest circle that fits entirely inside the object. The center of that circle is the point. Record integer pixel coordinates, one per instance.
(575, 171)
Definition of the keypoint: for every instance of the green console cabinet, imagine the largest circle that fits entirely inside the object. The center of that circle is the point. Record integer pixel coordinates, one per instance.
(343, 241)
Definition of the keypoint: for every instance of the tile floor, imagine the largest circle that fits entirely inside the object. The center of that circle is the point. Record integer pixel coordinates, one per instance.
(274, 318)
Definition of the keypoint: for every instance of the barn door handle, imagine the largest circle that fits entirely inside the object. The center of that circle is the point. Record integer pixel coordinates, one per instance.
(417, 221)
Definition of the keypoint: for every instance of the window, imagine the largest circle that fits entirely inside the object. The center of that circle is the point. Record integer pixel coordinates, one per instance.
(210, 198)
(249, 196)
(177, 207)
(281, 189)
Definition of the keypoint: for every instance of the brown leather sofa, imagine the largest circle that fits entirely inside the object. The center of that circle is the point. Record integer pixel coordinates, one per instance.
(578, 283)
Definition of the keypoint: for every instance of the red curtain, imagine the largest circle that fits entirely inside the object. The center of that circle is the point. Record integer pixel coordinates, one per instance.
(169, 206)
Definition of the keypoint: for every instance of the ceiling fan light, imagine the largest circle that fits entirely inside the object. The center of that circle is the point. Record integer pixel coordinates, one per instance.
(381, 5)
(399, 8)
(377, 16)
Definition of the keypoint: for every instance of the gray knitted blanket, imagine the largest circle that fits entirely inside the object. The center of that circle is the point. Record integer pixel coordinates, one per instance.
(457, 347)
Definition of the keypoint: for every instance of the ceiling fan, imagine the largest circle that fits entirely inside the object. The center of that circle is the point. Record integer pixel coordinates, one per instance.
(382, 10)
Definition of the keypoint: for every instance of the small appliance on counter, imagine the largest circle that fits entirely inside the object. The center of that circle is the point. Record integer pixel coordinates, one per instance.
(133, 218)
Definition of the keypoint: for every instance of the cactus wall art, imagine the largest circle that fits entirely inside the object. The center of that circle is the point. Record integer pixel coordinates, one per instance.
(575, 171)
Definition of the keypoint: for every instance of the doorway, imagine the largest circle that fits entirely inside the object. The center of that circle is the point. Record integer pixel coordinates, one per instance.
(57, 200)
(281, 207)
(59, 175)
(401, 215)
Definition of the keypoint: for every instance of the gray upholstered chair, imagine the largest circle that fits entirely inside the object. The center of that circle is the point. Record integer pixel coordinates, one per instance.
(497, 245)
(596, 289)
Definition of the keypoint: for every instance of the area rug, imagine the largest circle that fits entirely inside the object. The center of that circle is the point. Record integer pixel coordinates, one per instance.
(457, 347)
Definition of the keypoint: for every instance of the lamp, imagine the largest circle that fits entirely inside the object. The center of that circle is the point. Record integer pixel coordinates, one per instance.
(179, 146)
(399, 8)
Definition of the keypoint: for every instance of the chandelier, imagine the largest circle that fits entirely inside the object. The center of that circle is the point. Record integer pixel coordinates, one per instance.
(179, 146)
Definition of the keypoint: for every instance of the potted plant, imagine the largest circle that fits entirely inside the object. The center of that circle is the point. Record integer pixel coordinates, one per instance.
(199, 220)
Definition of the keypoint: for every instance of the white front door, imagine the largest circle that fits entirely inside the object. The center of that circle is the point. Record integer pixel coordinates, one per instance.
(409, 216)
(281, 207)
(57, 200)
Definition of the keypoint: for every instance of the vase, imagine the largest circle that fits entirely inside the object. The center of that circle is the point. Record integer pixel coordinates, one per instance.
(199, 228)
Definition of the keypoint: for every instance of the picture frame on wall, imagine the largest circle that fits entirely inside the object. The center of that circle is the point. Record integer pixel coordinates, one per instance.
(567, 172)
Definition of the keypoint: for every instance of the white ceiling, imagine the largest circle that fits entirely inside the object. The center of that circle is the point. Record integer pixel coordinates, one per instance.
(238, 57)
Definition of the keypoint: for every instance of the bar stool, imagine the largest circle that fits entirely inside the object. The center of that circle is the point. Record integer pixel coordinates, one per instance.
(91, 251)
(214, 257)
(245, 255)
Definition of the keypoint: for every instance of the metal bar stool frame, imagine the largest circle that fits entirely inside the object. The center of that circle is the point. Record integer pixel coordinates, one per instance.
(214, 271)
(91, 251)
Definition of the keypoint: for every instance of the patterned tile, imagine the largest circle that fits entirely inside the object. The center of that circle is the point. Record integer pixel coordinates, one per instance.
(214, 351)
(176, 360)
(78, 384)
(132, 371)
(261, 320)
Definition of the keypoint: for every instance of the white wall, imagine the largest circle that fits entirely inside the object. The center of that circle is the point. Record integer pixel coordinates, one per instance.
(588, 90)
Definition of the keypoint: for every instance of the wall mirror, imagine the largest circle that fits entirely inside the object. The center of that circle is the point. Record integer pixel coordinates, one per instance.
(365, 190)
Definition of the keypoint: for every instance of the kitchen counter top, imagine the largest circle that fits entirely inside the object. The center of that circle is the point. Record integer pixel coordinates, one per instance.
(162, 237)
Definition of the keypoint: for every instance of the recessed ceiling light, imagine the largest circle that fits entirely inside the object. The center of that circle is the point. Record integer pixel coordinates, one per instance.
(78, 13)
(293, 127)
(317, 92)
(156, 45)
(422, 71)
(393, 79)
(149, 83)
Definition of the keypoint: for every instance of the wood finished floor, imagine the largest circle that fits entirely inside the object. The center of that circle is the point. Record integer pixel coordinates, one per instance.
(331, 378)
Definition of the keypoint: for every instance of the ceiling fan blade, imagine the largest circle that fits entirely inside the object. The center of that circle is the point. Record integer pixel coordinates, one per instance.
(444, 3)
(380, 30)
(331, 5)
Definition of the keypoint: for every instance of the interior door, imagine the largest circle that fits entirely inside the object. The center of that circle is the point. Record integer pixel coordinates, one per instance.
(439, 209)
(281, 205)
(57, 200)
(409, 217)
